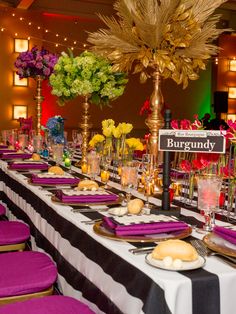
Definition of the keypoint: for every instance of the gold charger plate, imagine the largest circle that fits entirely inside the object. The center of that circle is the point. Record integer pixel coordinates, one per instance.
(58, 201)
(100, 230)
(211, 239)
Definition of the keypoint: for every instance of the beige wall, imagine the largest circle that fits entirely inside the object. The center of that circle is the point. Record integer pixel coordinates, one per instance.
(184, 103)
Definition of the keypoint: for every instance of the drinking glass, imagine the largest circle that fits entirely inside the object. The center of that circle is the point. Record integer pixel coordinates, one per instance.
(209, 187)
(105, 173)
(129, 179)
(57, 153)
(93, 162)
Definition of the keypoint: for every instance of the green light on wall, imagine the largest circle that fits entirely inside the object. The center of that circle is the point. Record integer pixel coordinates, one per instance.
(205, 104)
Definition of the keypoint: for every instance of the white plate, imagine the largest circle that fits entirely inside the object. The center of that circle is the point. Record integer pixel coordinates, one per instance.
(200, 262)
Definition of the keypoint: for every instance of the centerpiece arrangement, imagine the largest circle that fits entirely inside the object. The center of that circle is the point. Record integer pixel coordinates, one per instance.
(38, 64)
(159, 39)
(113, 142)
(90, 76)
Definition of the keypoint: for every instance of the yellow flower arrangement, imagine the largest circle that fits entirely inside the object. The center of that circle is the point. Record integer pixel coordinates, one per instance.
(97, 142)
(134, 144)
(125, 128)
(97, 138)
(107, 127)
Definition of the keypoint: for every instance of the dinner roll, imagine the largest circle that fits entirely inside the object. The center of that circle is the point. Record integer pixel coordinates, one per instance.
(87, 185)
(56, 170)
(36, 157)
(135, 206)
(176, 249)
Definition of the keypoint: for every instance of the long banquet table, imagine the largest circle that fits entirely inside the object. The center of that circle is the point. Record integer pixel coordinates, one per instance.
(102, 272)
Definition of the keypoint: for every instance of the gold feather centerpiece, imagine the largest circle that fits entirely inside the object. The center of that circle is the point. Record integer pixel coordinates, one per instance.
(159, 39)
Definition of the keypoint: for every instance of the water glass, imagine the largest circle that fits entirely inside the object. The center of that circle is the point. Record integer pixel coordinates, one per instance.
(209, 187)
(93, 162)
(57, 153)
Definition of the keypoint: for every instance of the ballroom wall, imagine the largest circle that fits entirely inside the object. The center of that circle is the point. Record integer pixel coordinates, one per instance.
(183, 103)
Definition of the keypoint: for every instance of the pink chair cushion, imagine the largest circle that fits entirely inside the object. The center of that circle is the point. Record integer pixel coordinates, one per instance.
(25, 272)
(47, 305)
(13, 232)
(2, 210)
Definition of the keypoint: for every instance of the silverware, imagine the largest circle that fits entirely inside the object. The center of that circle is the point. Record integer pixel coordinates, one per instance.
(142, 250)
(205, 252)
(91, 222)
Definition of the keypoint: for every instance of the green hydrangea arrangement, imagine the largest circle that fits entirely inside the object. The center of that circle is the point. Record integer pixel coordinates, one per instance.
(86, 75)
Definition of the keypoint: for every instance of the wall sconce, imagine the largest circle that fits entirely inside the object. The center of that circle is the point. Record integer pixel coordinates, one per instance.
(21, 45)
(232, 65)
(19, 82)
(19, 111)
(232, 92)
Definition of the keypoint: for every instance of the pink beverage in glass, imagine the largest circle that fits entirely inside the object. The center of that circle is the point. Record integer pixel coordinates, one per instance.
(209, 187)
(209, 193)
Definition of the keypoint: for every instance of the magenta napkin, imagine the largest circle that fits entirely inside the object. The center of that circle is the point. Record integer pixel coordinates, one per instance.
(143, 228)
(85, 198)
(16, 155)
(50, 180)
(6, 150)
(28, 165)
(226, 233)
(3, 146)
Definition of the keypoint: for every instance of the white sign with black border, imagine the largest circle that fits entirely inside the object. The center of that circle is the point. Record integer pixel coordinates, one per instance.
(194, 141)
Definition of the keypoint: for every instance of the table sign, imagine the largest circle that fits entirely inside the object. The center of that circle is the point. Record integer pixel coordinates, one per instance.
(194, 141)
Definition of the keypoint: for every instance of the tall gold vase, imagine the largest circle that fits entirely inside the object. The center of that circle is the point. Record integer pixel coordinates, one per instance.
(155, 120)
(39, 99)
(85, 126)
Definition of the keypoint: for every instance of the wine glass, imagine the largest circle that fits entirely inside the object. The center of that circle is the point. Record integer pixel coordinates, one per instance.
(93, 162)
(129, 179)
(105, 173)
(209, 187)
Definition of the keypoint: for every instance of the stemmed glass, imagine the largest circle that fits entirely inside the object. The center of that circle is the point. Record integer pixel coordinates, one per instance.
(209, 187)
(129, 179)
(105, 173)
(147, 176)
(93, 161)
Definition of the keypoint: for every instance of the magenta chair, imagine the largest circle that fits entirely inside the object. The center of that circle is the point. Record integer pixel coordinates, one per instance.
(55, 304)
(13, 235)
(25, 275)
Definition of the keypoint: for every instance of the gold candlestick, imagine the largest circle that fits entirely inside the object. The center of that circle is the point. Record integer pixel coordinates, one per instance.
(155, 120)
(39, 99)
(85, 126)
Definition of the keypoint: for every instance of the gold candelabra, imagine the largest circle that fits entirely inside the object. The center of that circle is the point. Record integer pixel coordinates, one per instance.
(155, 120)
(85, 126)
(39, 99)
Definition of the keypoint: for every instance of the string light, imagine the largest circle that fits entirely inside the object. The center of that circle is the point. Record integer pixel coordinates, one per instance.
(76, 44)
(216, 61)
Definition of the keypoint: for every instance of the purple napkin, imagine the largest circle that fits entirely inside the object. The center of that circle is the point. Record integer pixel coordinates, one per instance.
(16, 155)
(3, 146)
(28, 165)
(85, 198)
(226, 233)
(51, 180)
(143, 228)
(177, 175)
(6, 150)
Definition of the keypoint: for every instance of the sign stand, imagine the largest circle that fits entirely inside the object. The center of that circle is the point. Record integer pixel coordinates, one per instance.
(167, 209)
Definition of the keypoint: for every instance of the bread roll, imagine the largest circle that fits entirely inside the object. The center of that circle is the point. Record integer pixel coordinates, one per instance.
(56, 170)
(36, 157)
(176, 249)
(135, 206)
(87, 185)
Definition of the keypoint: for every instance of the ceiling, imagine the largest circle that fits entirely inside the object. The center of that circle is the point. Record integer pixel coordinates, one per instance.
(76, 7)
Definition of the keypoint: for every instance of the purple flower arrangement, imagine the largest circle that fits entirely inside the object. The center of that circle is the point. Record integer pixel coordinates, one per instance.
(35, 62)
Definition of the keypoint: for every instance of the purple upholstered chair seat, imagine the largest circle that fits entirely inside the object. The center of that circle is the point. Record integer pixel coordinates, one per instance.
(2, 210)
(13, 232)
(25, 273)
(47, 305)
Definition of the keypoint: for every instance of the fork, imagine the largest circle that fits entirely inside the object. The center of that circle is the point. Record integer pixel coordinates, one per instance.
(205, 252)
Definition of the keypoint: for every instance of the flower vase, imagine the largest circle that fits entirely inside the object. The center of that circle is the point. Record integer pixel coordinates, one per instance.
(39, 99)
(155, 120)
(123, 146)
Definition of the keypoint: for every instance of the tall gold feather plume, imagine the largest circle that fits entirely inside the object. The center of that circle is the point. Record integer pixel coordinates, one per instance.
(171, 36)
